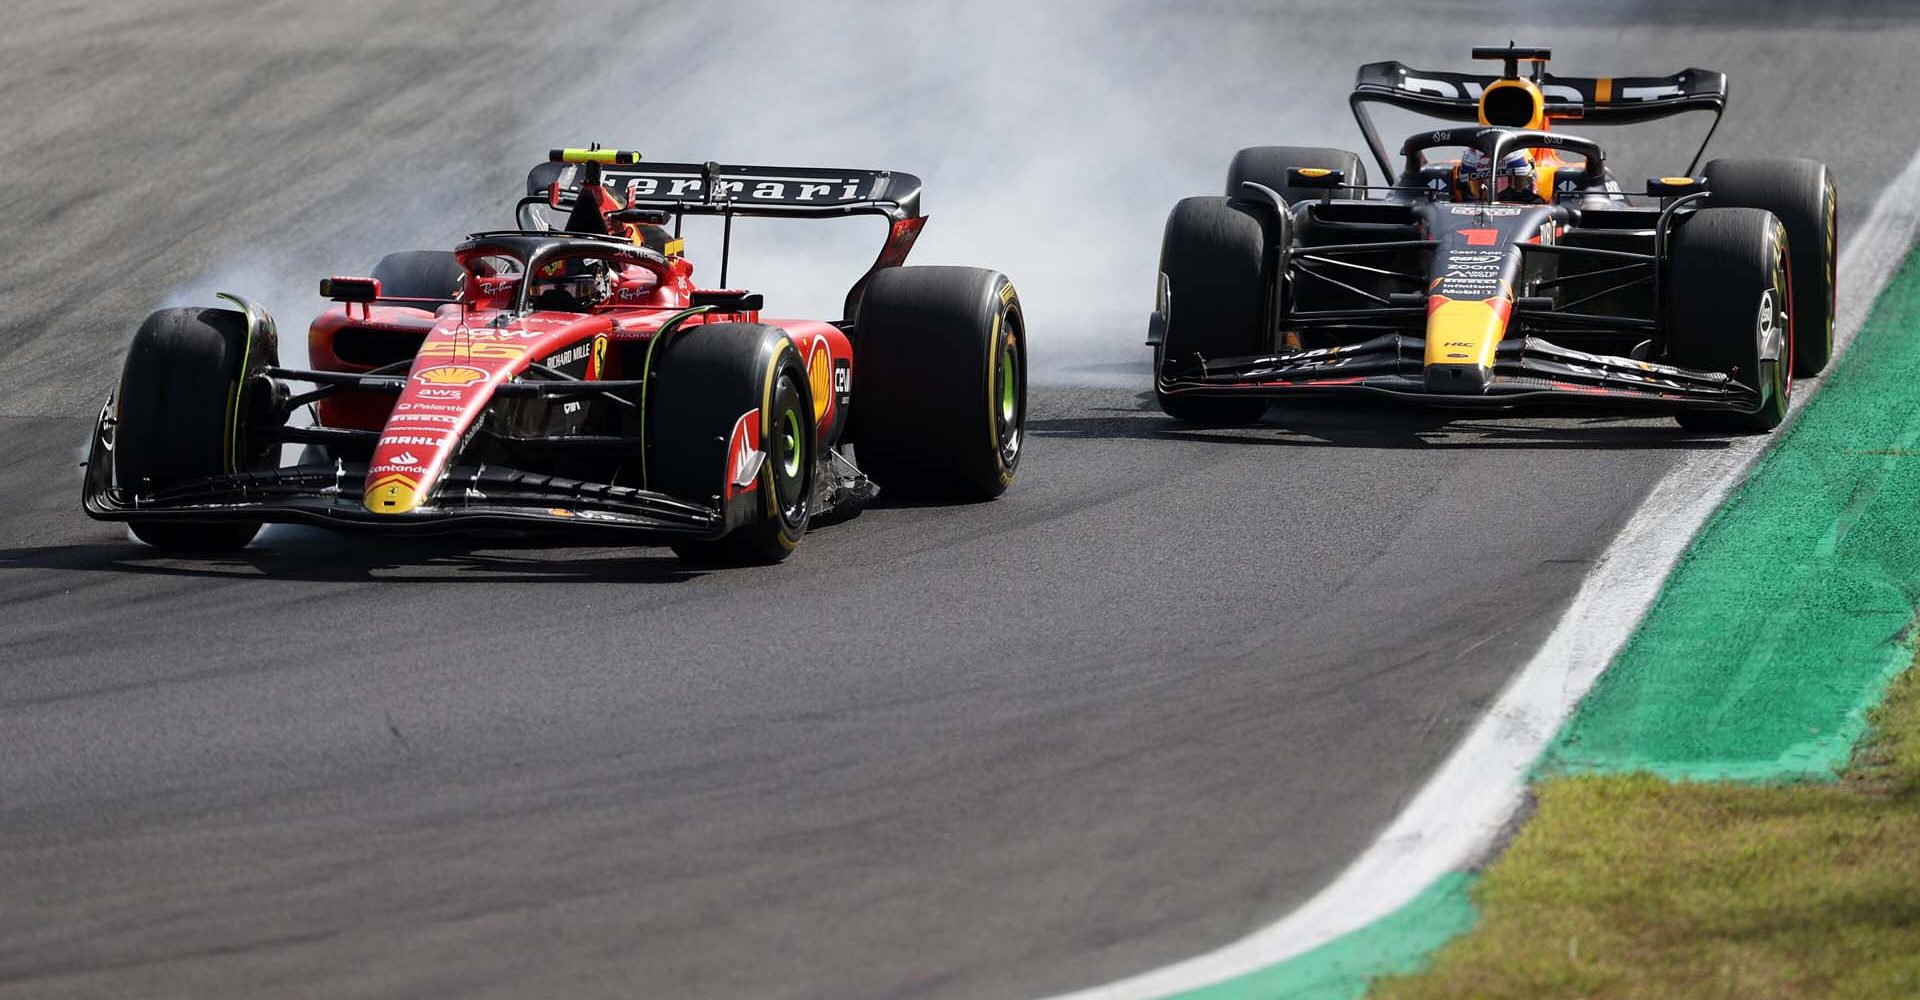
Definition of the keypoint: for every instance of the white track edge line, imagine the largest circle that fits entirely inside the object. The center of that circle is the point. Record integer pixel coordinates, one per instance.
(1460, 812)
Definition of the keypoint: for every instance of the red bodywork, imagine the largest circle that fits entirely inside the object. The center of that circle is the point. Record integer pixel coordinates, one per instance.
(463, 356)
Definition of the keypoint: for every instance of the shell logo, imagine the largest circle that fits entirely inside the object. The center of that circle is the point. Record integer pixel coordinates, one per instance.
(450, 375)
(820, 374)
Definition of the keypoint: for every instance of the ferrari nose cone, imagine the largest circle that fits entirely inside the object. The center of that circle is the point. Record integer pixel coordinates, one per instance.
(393, 493)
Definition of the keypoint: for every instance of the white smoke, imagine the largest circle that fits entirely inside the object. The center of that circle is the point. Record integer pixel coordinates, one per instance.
(1053, 137)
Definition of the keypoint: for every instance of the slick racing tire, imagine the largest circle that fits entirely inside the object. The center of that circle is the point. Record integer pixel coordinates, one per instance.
(181, 414)
(702, 382)
(1726, 311)
(1218, 265)
(940, 373)
(1802, 194)
(1268, 165)
(420, 274)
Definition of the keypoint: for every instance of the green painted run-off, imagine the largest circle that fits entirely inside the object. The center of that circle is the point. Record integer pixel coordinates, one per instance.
(1341, 969)
(1783, 623)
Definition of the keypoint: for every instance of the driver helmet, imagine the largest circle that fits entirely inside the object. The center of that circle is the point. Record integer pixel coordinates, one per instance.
(1517, 177)
(571, 283)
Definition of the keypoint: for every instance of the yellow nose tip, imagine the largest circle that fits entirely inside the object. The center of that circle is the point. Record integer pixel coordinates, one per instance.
(393, 493)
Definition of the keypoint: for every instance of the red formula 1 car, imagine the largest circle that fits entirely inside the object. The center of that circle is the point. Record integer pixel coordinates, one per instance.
(576, 378)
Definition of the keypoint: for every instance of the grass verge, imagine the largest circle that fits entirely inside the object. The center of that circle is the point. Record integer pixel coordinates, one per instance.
(1630, 886)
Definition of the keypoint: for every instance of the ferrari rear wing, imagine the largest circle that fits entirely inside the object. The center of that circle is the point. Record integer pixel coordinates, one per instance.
(1455, 97)
(729, 189)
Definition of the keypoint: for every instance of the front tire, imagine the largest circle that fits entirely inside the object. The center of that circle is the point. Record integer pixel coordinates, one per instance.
(181, 414)
(1219, 285)
(702, 382)
(1802, 194)
(1727, 291)
(940, 398)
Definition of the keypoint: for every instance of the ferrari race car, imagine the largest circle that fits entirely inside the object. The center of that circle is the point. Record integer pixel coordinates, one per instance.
(574, 377)
(1516, 271)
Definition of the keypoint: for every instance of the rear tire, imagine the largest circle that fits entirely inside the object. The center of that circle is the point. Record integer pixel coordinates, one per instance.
(1802, 194)
(1726, 309)
(420, 274)
(1268, 165)
(940, 398)
(183, 372)
(703, 379)
(1215, 256)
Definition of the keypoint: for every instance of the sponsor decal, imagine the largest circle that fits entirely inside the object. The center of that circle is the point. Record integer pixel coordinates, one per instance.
(1772, 332)
(1479, 237)
(500, 333)
(598, 363)
(434, 407)
(455, 349)
(406, 458)
(572, 354)
(440, 393)
(404, 439)
(780, 189)
(559, 512)
(820, 378)
(423, 418)
(843, 376)
(449, 375)
(1497, 210)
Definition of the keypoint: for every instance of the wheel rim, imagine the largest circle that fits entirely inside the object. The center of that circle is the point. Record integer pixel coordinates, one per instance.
(790, 443)
(790, 449)
(1010, 399)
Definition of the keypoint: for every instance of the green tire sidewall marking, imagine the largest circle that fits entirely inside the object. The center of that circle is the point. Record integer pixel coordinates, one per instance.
(790, 441)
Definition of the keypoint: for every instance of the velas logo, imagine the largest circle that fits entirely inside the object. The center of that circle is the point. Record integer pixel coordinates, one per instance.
(449, 375)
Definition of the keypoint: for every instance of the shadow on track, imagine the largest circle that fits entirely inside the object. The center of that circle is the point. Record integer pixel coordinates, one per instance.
(1345, 425)
(314, 556)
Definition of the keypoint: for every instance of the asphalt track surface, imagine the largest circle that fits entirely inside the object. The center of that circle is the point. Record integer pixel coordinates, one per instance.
(1155, 696)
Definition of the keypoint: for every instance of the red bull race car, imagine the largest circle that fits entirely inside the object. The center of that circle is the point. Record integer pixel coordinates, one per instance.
(1514, 271)
(575, 377)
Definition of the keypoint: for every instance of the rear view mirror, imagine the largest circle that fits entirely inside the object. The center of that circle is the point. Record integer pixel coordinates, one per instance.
(361, 290)
(1674, 187)
(1316, 177)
